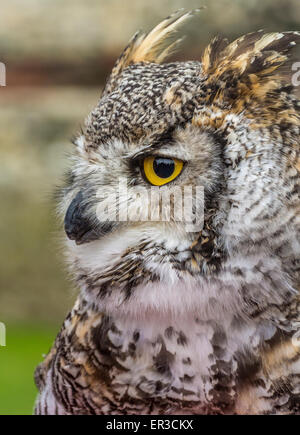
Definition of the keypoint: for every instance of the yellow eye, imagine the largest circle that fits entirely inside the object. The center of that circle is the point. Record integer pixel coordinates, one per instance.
(161, 170)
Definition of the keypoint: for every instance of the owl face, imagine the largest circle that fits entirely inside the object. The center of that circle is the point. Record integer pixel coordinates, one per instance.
(206, 135)
(141, 157)
(145, 181)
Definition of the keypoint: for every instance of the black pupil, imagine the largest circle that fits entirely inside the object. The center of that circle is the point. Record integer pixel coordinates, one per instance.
(163, 167)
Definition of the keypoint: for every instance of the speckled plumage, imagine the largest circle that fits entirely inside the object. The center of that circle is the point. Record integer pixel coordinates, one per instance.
(172, 322)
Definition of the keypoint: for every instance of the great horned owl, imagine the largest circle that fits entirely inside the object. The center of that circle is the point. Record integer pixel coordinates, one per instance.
(169, 321)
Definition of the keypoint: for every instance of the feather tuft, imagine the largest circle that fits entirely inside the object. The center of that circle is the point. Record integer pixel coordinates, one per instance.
(156, 46)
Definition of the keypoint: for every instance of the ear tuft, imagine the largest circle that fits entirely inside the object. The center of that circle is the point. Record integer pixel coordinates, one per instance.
(248, 69)
(154, 47)
(255, 53)
(250, 76)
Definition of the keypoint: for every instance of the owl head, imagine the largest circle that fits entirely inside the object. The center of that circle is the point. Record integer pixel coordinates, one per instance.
(184, 177)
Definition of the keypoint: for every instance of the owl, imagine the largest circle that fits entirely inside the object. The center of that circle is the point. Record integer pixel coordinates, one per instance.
(199, 315)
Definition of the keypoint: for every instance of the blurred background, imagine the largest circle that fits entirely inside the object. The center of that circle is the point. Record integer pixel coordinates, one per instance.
(58, 54)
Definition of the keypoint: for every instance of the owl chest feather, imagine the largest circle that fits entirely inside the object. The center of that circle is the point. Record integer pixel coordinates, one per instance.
(175, 363)
(116, 364)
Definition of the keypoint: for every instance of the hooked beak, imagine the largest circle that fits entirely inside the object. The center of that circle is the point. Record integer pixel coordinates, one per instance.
(77, 226)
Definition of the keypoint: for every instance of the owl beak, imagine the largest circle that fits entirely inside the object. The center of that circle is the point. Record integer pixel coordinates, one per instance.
(77, 226)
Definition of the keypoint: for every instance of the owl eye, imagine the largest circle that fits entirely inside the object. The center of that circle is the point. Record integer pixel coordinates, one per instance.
(161, 170)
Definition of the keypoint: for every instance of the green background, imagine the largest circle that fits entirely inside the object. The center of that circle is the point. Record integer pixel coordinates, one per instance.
(25, 346)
